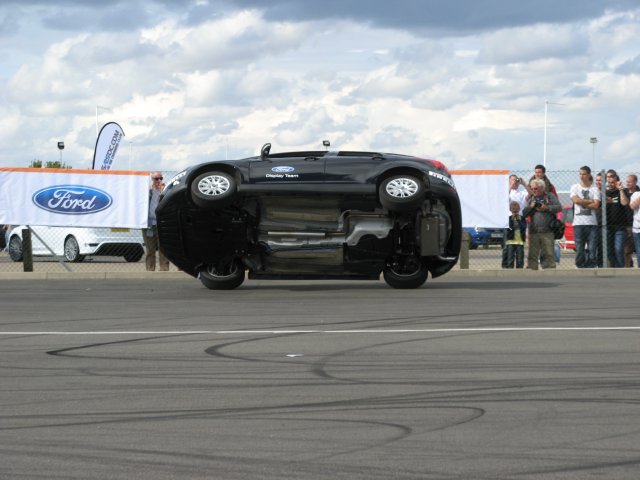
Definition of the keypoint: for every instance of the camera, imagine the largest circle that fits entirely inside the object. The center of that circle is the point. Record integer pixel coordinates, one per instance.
(536, 204)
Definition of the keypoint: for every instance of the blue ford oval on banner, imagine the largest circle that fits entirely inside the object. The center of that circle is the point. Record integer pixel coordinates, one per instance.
(107, 145)
(72, 199)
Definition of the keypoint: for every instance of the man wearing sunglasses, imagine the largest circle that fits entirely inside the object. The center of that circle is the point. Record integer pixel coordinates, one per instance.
(543, 207)
(150, 234)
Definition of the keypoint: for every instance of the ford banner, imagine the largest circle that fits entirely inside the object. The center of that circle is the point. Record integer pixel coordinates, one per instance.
(79, 198)
(107, 145)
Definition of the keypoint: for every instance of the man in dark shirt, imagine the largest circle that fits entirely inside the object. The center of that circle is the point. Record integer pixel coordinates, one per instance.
(616, 221)
(625, 196)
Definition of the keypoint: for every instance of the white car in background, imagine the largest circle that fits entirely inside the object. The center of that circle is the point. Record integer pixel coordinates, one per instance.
(74, 243)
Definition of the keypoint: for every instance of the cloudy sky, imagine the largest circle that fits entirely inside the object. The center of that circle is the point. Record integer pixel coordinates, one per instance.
(463, 81)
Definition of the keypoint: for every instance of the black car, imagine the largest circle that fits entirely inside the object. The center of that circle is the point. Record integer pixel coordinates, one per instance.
(312, 215)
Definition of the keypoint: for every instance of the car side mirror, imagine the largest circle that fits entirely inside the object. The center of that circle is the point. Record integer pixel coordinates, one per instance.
(264, 153)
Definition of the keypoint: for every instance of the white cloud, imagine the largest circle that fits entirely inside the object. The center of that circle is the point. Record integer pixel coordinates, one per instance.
(624, 149)
(524, 44)
(497, 120)
(190, 82)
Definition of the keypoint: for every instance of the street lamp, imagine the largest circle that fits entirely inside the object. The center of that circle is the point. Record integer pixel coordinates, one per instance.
(546, 108)
(101, 108)
(60, 147)
(593, 141)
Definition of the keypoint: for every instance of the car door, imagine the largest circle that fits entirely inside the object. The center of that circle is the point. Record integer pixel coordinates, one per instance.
(287, 170)
(52, 240)
(351, 170)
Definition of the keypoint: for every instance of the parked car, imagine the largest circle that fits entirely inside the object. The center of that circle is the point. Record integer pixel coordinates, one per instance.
(496, 235)
(483, 237)
(75, 243)
(312, 215)
(478, 236)
(567, 218)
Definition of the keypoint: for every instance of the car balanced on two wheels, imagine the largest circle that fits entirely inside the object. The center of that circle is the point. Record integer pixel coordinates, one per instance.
(312, 215)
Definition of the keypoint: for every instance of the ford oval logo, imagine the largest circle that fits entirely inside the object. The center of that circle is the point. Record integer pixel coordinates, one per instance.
(283, 169)
(72, 199)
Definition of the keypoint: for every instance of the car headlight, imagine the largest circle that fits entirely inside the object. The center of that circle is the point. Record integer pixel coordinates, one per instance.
(175, 180)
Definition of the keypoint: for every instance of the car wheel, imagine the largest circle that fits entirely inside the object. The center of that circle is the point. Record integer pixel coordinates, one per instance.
(72, 250)
(213, 190)
(133, 254)
(401, 193)
(15, 248)
(227, 278)
(409, 272)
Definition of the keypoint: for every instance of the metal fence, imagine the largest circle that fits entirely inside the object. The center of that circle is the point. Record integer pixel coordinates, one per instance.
(57, 249)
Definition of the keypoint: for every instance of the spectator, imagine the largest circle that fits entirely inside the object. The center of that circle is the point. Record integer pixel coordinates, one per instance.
(517, 192)
(540, 173)
(598, 211)
(634, 203)
(625, 195)
(543, 207)
(586, 200)
(150, 233)
(514, 238)
(4, 231)
(616, 218)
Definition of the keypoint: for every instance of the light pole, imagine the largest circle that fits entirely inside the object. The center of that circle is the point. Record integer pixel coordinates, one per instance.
(101, 108)
(60, 147)
(546, 108)
(593, 141)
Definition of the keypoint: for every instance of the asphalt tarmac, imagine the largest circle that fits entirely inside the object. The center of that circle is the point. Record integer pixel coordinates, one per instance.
(480, 377)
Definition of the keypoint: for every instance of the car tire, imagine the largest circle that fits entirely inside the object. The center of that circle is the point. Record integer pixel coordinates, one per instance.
(213, 190)
(15, 248)
(72, 250)
(228, 279)
(401, 193)
(406, 273)
(133, 254)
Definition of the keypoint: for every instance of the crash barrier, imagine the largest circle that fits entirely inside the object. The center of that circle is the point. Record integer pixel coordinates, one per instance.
(61, 249)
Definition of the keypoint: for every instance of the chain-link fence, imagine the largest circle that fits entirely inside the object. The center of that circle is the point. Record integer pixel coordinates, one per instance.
(60, 249)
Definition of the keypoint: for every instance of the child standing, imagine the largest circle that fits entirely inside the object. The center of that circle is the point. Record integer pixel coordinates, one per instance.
(514, 239)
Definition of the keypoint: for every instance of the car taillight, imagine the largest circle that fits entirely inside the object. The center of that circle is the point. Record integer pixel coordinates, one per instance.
(436, 164)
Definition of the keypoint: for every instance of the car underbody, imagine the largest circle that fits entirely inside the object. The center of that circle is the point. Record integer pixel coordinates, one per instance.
(310, 237)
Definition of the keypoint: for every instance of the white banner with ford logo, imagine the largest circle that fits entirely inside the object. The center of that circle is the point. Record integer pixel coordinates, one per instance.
(81, 198)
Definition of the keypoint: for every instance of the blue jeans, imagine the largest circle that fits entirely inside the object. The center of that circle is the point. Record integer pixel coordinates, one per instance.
(586, 236)
(636, 238)
(615, 245)
(513, 253)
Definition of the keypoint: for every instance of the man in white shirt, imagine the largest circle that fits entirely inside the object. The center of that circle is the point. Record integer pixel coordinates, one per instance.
(586, 200)
(517, 192)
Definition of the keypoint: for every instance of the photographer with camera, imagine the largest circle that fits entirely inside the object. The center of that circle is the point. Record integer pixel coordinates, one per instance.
(542, 209)
(517, 191)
